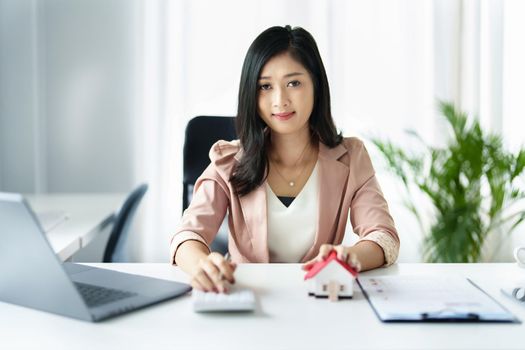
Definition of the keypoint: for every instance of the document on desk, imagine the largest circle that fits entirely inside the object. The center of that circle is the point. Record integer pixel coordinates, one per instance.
(431, 298)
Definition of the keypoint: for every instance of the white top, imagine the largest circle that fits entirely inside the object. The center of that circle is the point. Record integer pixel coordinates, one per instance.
(291, 230)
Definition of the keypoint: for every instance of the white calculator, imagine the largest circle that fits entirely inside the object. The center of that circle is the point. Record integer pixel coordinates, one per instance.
(236, 300)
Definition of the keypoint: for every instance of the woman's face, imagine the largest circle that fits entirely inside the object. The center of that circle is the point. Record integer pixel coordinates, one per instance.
(285, 97)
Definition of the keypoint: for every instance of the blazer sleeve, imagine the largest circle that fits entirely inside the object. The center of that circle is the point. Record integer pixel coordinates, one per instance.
(208, 207)
(369, 213)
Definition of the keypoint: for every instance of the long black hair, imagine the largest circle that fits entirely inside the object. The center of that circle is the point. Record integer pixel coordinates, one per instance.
(250, 172)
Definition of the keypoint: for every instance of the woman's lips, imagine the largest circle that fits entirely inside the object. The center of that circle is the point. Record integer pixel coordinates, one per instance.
(283, 116)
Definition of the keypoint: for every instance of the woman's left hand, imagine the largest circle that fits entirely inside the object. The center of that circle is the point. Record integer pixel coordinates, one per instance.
(345, 254)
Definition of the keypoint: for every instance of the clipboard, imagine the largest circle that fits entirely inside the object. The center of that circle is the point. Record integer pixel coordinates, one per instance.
(421, 298)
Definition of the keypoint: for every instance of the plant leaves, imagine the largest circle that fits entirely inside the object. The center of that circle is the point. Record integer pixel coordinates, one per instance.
(453, 178)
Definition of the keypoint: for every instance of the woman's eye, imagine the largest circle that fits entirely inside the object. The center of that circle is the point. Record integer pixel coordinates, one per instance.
(264, 87)
(294, 83)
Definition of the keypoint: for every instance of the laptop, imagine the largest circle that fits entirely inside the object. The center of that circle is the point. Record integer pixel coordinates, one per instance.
(31, 274)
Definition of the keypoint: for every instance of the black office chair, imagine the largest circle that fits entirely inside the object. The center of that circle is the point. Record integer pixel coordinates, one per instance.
(120, 231)
(201, 133)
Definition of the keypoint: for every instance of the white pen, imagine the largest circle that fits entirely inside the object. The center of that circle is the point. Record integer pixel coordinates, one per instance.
(227, 257)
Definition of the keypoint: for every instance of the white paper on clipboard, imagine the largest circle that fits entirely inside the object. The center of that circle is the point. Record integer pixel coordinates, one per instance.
(431, 298)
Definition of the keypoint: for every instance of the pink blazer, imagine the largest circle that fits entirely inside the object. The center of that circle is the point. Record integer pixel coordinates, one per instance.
(348, 186)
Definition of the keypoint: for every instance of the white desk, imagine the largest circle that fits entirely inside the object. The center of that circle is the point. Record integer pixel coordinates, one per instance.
(286, 318)
(88, 214)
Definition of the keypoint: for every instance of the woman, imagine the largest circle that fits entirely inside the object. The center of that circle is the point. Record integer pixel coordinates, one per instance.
(290, 181)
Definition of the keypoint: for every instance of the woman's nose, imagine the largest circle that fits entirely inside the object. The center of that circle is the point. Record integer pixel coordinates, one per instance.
(280, 98)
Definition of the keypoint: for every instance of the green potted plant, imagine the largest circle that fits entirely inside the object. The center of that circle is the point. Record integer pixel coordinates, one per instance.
(473, 184)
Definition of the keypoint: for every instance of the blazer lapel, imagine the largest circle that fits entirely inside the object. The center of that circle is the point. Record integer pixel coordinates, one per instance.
(253, 207)
(333, 176)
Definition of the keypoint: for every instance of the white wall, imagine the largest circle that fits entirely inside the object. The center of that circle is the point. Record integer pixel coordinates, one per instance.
(67, 92)
(18, 99)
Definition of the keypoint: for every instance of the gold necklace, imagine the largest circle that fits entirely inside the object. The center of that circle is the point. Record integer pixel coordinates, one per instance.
(291, 183)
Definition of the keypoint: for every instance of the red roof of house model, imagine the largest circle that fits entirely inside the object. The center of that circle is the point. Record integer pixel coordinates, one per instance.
(321, 264)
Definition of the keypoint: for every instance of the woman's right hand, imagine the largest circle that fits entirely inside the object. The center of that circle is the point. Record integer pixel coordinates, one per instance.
(212, 273)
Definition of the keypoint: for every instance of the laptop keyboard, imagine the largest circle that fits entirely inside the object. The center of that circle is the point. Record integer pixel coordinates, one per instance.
(95, 295)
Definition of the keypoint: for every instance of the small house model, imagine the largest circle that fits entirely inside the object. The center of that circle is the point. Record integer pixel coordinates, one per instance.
(331, 278)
